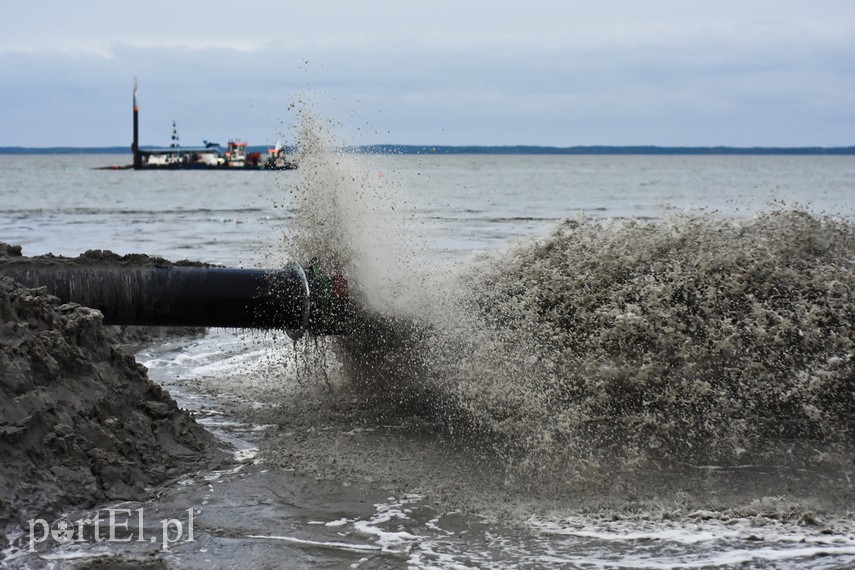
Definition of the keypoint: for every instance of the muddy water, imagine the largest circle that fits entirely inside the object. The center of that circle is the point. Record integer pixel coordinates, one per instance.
(337, 465)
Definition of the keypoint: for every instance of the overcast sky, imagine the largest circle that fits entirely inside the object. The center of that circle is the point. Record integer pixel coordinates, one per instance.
(615, 72)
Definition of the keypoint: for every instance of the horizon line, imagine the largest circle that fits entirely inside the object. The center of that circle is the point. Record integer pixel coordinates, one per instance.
(485, 149)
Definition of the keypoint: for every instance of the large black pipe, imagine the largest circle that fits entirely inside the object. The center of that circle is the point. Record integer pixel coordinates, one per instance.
(195, 296)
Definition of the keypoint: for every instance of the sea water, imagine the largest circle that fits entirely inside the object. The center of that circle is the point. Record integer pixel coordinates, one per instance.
(492, 361)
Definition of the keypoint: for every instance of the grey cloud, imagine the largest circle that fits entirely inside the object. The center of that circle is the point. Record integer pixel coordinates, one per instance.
(555, 73)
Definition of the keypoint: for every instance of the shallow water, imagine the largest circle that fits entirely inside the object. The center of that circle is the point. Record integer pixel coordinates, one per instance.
(331, 477)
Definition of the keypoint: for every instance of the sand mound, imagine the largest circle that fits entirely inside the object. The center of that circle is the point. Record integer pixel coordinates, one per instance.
(80, 422)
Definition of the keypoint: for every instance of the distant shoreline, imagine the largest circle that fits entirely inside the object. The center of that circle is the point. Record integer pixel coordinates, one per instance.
(499, 150)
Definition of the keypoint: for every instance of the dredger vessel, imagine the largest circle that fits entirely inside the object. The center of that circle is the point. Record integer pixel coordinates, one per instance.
(210, 156)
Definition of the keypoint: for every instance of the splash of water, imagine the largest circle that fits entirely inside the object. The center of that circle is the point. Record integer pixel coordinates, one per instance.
(691, 338)
(346, 217)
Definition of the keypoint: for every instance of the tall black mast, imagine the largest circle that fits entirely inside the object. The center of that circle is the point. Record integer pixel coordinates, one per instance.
(135, 147)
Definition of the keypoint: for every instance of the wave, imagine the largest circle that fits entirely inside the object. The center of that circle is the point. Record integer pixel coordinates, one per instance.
(689, 338)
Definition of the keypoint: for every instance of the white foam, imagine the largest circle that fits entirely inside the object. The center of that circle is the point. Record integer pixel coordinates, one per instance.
(660, 544)
(215, 475)
(246, 455)
(690, 532)
(394, 511)
(74, 556)
(728, 558)
(232, 365)
(181, 359)
(318, 543)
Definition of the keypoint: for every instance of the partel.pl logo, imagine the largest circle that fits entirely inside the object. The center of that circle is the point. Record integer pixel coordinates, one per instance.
(117, 526)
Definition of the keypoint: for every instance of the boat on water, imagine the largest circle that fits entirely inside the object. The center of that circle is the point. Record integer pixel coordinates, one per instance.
(210, 156)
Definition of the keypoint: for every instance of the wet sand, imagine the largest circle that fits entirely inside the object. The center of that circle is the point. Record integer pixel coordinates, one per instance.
(81, 421)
